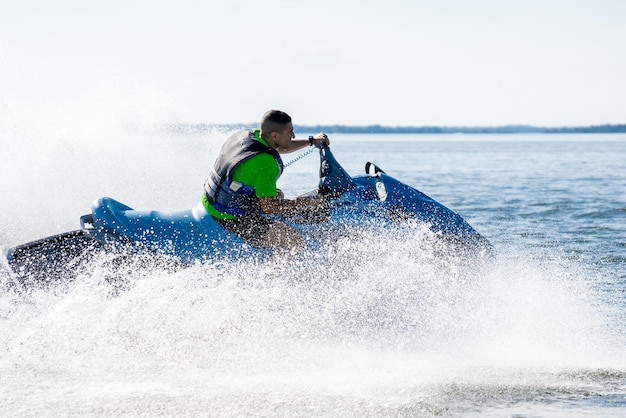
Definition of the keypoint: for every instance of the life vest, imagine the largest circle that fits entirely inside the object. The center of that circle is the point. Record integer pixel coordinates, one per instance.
(232, 197)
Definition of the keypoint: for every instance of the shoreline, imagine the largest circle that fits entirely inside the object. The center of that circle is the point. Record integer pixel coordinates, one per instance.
(381, 129)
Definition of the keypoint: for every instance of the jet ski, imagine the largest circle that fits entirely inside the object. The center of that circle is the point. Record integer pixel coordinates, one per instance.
(190, 236)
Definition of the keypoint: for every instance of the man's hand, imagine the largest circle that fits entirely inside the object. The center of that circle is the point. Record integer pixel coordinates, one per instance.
(321, 139)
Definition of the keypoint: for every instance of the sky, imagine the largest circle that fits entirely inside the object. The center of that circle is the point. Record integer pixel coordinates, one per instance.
(356, 62)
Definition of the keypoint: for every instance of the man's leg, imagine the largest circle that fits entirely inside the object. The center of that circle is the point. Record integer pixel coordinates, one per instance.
(284, 237)
(263, 232)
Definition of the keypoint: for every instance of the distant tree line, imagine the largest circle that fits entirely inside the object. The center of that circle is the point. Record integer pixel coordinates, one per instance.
(380, 129)
(507, 129)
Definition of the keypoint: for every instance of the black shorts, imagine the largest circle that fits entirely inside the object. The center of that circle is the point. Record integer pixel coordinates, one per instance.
(252, 228)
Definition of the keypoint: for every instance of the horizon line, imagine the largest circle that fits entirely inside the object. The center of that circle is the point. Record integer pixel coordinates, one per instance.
(183, 127)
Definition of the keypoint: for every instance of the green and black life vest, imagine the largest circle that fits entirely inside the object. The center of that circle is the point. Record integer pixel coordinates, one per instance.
(224, 194)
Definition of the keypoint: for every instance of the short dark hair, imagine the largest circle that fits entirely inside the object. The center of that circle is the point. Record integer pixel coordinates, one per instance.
(274, 120)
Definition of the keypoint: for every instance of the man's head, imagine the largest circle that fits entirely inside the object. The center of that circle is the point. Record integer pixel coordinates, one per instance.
(277, 129)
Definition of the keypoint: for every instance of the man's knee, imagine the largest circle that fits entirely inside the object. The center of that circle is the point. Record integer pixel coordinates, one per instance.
(283, 236)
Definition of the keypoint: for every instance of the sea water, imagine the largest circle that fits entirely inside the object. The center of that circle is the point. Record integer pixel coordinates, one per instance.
(376, 323)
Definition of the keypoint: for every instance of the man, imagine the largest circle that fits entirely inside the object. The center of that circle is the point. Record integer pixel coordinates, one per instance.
(241, 188)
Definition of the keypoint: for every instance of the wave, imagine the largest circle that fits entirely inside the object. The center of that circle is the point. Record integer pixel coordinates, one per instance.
(374, 322)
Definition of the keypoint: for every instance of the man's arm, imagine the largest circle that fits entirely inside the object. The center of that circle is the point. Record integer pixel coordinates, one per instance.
(297, 144)
(276, 205)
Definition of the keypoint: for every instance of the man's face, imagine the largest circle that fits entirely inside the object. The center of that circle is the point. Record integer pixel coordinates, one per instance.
(283, 138)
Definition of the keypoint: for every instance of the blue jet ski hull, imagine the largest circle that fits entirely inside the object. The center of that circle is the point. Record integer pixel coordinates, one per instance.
(193, 235)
